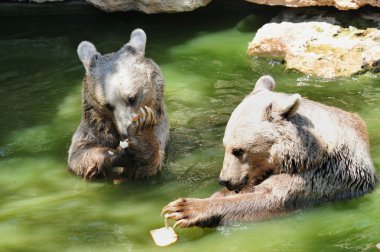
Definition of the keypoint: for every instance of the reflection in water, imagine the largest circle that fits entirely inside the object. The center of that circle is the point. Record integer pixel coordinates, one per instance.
(44, 208)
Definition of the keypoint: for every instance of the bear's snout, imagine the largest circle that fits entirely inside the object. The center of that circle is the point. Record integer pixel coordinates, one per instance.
(233, 187)
(223, 182)
(226, 183)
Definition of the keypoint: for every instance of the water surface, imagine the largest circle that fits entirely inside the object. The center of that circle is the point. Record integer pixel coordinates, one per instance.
(203, 58)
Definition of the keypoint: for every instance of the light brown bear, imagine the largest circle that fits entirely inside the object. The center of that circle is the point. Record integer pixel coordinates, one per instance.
(124, 120)
(282, 152)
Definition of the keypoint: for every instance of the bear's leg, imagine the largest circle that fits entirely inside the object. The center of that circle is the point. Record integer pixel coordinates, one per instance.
(145, 157)
(274, 197)
(94, 161)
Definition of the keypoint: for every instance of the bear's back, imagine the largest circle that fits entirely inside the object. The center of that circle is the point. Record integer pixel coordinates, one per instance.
(333, 126)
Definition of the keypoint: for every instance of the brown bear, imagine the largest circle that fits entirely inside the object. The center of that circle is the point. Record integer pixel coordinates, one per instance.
(124, 122)
(282, 152)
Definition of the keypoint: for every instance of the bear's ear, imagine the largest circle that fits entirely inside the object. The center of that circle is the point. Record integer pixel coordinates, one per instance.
(287, 107)
(86, 51)
(138, 41)
(265, 82)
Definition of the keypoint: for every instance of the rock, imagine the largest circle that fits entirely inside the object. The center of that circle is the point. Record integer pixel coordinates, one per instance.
(358, 19)
(149, 6)
(319, 48)
(339, 4)
(46, 1)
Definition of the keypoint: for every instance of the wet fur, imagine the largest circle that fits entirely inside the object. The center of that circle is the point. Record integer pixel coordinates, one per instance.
(98, 135)
(317, 154)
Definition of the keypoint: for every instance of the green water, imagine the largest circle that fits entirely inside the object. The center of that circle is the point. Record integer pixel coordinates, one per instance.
(203, 58)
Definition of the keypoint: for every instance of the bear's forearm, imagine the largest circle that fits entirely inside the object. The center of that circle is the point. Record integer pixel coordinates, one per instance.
(144, 156)
(276, 196)
(245, 207)
(254, 206)
(91, 161)
(142, 163)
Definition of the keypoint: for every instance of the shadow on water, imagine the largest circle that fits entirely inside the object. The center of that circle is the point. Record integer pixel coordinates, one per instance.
(41, 55)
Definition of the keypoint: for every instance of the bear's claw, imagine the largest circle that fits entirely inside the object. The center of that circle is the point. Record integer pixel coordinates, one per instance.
(145, 118)
(188, 212)
(91, 172)
(181, 223)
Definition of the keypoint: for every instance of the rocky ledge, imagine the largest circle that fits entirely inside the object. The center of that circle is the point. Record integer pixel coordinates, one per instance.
(339, 4)
(149, 6)
(319, 48)
(157, 6)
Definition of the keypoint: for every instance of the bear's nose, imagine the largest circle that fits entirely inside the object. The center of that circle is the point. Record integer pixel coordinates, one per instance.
(124, 136)
(223, 182)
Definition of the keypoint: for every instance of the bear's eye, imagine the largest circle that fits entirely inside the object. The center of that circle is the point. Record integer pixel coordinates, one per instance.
(110, 107)
(238, 152)
(131, 100)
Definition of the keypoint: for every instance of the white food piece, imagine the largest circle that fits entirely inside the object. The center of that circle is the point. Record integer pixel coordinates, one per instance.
(164, 236)
(124, 144)
(110, 152)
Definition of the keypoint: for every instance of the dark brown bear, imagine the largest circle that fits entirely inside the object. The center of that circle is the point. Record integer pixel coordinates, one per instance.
(124, 122)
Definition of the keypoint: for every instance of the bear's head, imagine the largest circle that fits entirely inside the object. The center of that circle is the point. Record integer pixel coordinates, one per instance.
(118, 84)
(255, 127)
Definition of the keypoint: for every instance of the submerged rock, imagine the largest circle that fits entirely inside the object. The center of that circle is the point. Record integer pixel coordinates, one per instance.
(149, 6)
(320, 48)
(339, 4)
